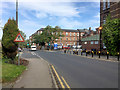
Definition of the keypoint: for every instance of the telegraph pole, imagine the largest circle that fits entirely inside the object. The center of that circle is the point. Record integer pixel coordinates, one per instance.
(17, 12)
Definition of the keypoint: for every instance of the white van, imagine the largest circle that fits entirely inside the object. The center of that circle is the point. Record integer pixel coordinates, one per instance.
(33, 48)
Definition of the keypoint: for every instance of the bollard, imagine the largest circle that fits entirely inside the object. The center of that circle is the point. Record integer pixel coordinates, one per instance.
(92, 53)
(77, 52)
(107, 55)
(99, 54)
(118, 56)
(86, 53)
(70, 51)
(81, 52)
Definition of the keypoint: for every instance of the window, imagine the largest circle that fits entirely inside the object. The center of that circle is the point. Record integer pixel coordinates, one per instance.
(91, 42)
(108, 4)
(74, 38)
(104, 4)
(77, 34)
(104, 20)
(77, 38)
(66, 38)
(60, 33)
(70, 39)
(66, 33)
(41, 32)
(70, 34)
(85, 42)
(74, 33)
(74, 43)
(38, 33)
(96, 42)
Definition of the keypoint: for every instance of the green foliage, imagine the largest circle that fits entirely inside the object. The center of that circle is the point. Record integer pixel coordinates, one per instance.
(111, 35)
(39, 39)
(49, 35)
(9, 47)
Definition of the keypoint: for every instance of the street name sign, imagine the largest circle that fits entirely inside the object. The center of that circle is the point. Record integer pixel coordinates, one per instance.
(19, 38)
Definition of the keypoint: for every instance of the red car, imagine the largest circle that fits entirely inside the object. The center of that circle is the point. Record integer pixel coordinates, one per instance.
(66, 47)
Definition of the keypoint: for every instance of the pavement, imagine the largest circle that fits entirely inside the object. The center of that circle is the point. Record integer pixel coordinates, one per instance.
(37, 75)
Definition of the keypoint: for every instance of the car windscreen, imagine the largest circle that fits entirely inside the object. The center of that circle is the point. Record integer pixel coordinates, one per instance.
(33, 47)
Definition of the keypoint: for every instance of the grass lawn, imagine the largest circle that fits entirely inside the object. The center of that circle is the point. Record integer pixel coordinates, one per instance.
(10, 72)
(0, 52)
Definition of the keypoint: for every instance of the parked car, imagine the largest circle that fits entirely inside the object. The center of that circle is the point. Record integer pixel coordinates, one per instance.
(33, 48)
(59, 47)
(19, 49)
(66, 47)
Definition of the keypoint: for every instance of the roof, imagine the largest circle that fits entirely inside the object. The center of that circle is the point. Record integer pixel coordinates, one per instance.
(69, 30)
(91, 38)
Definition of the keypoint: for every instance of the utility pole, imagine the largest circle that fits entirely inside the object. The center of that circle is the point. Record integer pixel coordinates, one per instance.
(17, 12)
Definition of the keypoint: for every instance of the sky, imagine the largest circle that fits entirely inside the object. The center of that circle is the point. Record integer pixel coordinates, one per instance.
(35, 14)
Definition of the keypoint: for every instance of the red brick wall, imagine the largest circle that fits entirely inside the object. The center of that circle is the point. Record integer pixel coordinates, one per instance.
(90, 46)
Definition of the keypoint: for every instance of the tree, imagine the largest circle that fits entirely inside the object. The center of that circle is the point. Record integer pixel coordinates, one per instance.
(51, 34)
(9, 47)
(39, 39)
(111, 35)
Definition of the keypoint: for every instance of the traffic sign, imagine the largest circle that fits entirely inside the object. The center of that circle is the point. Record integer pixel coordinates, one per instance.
(19, 38)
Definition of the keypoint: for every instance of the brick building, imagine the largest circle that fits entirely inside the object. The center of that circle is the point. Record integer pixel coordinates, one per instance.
(106, 8)
(71, 37)
(91, 43)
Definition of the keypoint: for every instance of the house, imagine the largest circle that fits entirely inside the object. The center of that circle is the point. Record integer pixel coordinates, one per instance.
(91, 43)
(71, 37)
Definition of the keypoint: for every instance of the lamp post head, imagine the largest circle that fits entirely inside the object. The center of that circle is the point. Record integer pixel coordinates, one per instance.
(100, 28)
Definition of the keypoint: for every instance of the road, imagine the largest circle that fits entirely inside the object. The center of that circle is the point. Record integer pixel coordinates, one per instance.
(80, 72)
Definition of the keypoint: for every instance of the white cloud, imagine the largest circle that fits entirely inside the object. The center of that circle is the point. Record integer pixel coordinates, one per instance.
(67, 23)
(53, 0)
(51, 8)
(41, 15)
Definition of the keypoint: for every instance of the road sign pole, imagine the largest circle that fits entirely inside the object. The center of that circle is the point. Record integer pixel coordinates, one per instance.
(18, 54)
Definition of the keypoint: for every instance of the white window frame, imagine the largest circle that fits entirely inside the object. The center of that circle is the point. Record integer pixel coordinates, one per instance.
(77, 34)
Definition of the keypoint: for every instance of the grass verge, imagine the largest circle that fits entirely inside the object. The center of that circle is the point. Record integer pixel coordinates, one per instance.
(10, 72)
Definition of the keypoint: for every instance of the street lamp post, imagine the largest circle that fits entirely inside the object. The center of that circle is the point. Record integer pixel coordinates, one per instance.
(100, 28)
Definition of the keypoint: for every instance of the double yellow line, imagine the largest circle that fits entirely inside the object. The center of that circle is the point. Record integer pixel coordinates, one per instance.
(61, 83)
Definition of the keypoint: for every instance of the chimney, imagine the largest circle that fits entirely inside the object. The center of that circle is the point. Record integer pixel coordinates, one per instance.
(89, 28)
